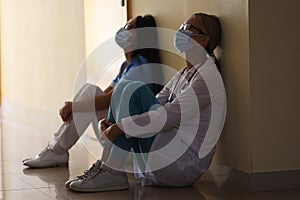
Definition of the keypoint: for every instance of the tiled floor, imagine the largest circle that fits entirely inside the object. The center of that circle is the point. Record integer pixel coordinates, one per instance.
(26, 135)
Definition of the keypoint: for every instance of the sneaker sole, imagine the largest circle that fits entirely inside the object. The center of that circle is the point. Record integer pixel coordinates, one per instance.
(106, 189)
(67, 185)
(47, 166)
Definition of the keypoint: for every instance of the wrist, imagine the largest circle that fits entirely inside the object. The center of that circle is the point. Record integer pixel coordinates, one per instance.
(118, 130)
(119, 124)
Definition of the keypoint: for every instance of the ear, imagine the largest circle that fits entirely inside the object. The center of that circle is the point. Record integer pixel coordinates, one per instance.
(205, 40)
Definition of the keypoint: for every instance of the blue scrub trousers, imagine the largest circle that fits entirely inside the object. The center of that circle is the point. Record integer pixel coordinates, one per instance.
(131, 98)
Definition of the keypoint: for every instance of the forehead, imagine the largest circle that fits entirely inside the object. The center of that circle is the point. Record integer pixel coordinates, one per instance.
(191, 20)
(132, 21)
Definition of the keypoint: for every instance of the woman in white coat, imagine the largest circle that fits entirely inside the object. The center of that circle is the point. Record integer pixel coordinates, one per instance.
(173, 135)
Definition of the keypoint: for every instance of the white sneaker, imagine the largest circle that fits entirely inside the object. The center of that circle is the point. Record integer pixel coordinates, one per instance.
(101, 179)
(85, 174)
(146, 182)
(47, 158)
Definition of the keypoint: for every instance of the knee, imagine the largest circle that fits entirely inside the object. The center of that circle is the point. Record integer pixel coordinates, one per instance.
(89, 88)
(135, 87)
(125, 85)
(125, 89)
(88, 91)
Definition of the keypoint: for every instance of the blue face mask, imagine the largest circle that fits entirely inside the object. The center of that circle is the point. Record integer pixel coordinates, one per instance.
(181, 40)
(122, 38)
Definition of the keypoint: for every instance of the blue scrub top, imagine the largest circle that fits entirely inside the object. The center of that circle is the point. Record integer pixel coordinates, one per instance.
(138, 69)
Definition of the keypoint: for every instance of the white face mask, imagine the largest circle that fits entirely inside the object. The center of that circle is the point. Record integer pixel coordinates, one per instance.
(122, 38)
(184, 43)
(182, 40)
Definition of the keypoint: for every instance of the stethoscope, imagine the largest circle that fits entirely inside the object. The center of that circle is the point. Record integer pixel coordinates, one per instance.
(172, 95)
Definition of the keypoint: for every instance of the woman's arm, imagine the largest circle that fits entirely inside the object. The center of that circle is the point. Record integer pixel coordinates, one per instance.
(108, 89)
(100, 102)
(113, 131)
(184, 107)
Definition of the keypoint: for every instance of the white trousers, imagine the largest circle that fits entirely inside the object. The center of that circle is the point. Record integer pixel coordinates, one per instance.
(68, 134)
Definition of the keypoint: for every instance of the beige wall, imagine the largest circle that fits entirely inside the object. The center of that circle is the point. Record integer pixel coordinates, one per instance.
(0, 59)
(260, 67)
(42, 46)
(102, 19)
(235, 144)
(275, 96)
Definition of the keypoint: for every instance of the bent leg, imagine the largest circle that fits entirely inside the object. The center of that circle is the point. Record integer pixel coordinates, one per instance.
(68, 134)
(130, 98)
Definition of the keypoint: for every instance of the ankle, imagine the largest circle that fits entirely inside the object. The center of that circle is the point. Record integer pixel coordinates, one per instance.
(112, 170)
(58, 149)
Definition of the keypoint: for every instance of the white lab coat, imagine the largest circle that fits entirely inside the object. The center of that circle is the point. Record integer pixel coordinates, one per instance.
(187, 128)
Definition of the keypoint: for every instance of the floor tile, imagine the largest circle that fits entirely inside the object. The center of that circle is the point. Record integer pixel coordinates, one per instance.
(49, 177)
(24, 194)
(22, 137)
(11, 182)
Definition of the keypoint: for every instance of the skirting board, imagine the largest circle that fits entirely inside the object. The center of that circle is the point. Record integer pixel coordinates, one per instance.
(268, 181)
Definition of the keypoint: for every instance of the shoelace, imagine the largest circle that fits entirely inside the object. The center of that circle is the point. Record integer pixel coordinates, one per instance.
(92, 172)
(87, 172)
(45, 150)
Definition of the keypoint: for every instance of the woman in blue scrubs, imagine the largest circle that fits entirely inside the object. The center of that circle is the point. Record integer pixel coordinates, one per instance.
(90, 104)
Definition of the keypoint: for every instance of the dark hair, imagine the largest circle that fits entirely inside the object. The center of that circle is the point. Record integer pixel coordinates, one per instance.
(211, 25)
(147, 38)
(147, 41)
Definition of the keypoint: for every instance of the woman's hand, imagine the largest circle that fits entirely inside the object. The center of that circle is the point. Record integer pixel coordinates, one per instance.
(104, 124)
(113, 132)
(66, 112)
